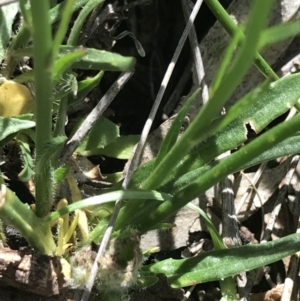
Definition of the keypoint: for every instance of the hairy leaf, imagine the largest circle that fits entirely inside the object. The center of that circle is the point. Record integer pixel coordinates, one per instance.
(12, 125)
(220, 264)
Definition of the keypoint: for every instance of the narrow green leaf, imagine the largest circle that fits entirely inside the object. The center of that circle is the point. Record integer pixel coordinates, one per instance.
(111, 197)
(279, 33)
(180, 183)
(287, 147)
(63, 63)
(28, 169)
(63, 26)
(220, 264)
(231, 27)
(216, 238)
(228, 55)
(93, 60)
(100, 59)
(174, 130)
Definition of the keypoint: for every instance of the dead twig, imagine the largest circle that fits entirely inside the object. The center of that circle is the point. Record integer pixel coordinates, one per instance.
(198, 63)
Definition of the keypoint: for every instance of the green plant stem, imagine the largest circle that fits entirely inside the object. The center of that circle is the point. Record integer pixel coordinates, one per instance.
(43, 65)
(279, 33)
(225, 63)
(35, 230)
(154, 214)
(232, 29)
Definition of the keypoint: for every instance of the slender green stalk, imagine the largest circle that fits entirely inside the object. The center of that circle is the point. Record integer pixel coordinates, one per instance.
(232, 29)
(279, 33)
(43, 65)
(225, 63)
